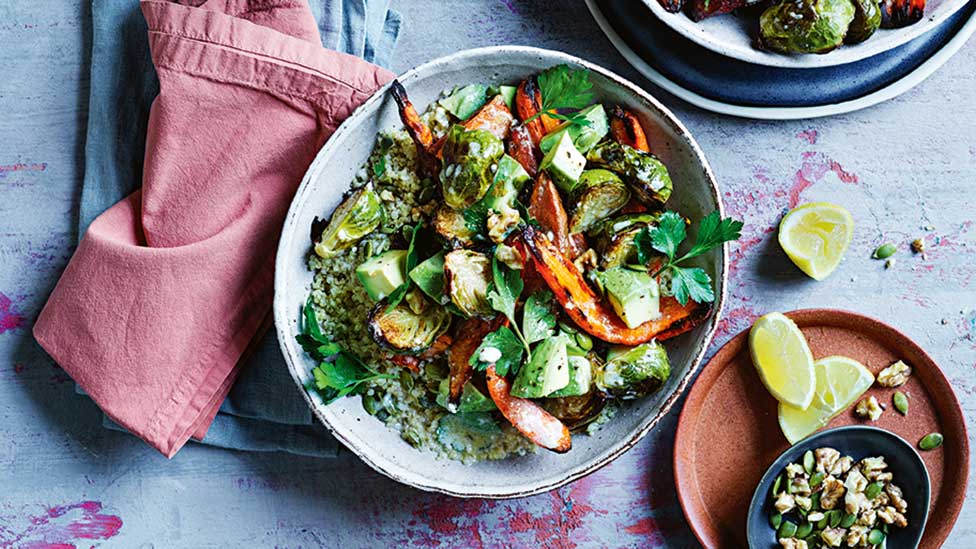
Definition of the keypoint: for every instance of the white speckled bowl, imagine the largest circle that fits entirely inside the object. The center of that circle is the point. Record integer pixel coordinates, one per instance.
(733, 36)
(320, 192)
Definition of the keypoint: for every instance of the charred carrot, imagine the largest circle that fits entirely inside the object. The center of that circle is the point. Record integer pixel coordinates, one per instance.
(529, 418)
(627, 129)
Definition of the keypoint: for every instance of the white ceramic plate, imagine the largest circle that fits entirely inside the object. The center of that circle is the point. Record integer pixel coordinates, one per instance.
(321, 191)
(895, 89)
(732, 35)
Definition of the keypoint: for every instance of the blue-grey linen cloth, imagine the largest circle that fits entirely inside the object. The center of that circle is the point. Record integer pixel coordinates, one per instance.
(264, 410)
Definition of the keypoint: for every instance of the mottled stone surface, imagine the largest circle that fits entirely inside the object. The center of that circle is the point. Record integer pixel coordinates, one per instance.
(899, 167)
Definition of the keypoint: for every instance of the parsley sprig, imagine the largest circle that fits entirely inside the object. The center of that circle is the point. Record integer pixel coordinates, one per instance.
(339, 373)
(564, 88)
(686, 282)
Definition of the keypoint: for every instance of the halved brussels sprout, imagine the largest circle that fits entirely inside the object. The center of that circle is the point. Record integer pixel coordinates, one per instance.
(599, 194)
(867, 19)
(806, 26)
(646, 175)
(468, 274)
(468, 157)
(633, 372)
(617, 238)
(451, 225)
(358, 215)
(576, 412)
(411, 326)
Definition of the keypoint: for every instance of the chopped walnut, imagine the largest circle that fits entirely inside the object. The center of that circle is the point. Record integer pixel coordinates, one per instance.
(868, 518)
(833, 490)
(792, 543)
(587, 261)
(803, 502)
(833, 536)
(871, 467)
(897, 498)
(815, 516)
(891, 516)
(510, 257)
(855, 501)
(855, 481)
(500, 223)
(895, 375)
(794, 470)
(826, 458)
(842, 466)
(784, 503)
(869, 408)
(800, 486)
(857, 535)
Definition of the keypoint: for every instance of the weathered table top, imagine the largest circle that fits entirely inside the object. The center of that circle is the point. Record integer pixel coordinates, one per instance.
(899, 167)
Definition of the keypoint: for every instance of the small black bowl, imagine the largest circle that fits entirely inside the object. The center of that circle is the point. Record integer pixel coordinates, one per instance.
(858, 442)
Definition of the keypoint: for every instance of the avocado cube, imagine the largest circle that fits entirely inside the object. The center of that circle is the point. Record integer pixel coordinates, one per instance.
(464, 102)
(634, 295)
(384, 273)
(546, 372)
(564, 163)
(508, 93)
(580, 378)
(584, 136)
(429, 277)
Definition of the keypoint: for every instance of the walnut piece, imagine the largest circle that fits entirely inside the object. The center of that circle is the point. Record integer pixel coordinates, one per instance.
(857, 535)
(891, 516)
(833, 490)
(792, 543)
(784, 503)
(895, 375)
(826, 458)
(869, 408)
(833, 536)
(897, 498)
(841, 466)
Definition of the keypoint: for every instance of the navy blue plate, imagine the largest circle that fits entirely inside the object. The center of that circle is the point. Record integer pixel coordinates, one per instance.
(857, 441)
(728, 80)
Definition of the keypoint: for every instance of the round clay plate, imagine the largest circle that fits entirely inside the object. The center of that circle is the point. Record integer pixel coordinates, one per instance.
(728, 434)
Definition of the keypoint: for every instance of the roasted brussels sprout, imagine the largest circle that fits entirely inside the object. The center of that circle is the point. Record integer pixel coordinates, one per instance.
(576, 412)
(468, 274)
(411, 326)
(358, 215)
(646, 175)
(633, 372)
(616, 238)
(599, 194)
(867, 19)
(451, 226)
(805, 26)
(468, 157)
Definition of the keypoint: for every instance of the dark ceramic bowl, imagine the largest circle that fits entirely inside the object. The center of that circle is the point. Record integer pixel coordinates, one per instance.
(857, 441)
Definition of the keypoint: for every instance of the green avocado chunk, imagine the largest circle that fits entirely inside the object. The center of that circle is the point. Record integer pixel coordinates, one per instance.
(384, 273)
(564, 163)
(584, 136)
(464, 102)
(472, 400)
(635, 295)
(580, 377)
(547, 372)
(429, 277)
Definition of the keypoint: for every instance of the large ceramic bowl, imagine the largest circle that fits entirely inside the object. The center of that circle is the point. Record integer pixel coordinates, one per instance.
(733, 35)
(320, 192)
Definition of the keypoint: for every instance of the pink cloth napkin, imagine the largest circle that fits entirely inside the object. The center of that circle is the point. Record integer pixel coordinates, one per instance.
(170, 286)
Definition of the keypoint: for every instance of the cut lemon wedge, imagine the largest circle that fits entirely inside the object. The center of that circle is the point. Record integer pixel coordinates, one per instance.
(840, 382)
(783, 359)
(815, 236)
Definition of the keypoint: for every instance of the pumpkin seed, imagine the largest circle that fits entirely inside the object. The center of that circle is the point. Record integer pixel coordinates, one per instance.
(876, 537)
(848, 520)
(786, 530)
(776, 485)
(815, 502)
(901, 402)
(822, 523)
(816, 479)
(426, 194)
(872, 490)
(584, 341)
(804, 530)
(808, 461)
(885, 251)
(406, 380)
(930, 441)
(775, 520)
(371, 404)
(835, 518)
(368, 249)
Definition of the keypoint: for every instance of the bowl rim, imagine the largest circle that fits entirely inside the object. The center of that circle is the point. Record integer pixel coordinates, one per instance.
(844, 55)
(290, 229)
(779, 464)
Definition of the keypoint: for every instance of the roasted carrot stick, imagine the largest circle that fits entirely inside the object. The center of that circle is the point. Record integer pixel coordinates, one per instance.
(469, 336)
(590, 312)
(522, 149)
(626, 129)
(494, 117)
(419, 132)
(529, 418)
(546, 206)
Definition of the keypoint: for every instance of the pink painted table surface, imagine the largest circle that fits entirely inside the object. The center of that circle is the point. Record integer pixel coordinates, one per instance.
(904, 169)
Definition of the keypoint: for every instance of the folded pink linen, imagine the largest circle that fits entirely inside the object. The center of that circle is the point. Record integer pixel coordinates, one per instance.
(170, 286)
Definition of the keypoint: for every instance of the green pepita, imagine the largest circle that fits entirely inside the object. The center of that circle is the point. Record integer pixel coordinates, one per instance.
(776, 484)
(822, 523)
(584, 341)
(808, 462)
(835, 518)
(930, 441)
(885, 251)
(775, 520)
(426, 195)
(804, 530)
(848, 520)
(371, 404)
(876, 537)
(816, 479)
(901, 402)
(873, 490)
(368, 249)
(406, 380)
(786, 530)
(815, 502)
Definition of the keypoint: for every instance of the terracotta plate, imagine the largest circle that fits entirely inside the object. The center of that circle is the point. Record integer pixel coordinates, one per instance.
(728, 432)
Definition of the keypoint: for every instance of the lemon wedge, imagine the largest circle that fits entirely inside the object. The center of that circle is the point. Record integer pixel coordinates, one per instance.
(840, 382)
(783, 359)
(815, 236)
